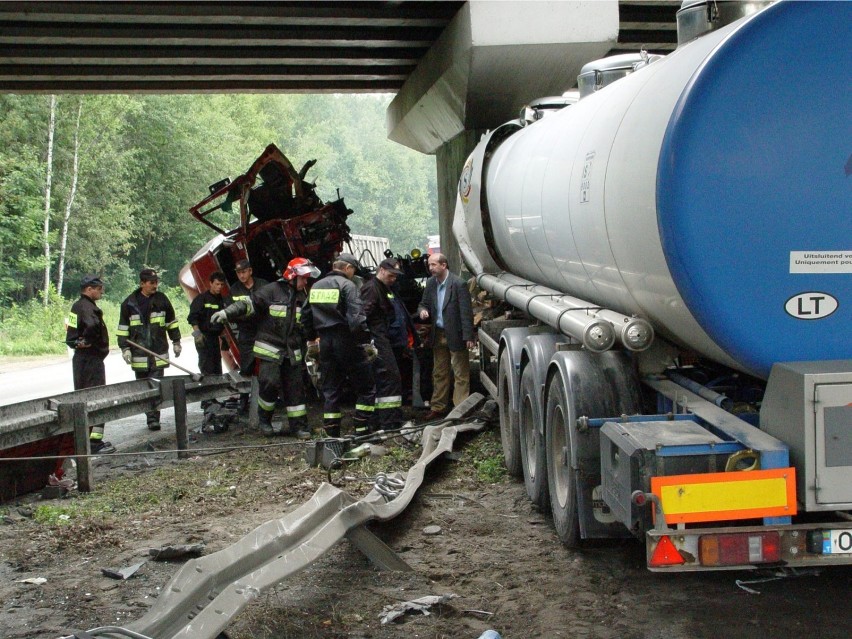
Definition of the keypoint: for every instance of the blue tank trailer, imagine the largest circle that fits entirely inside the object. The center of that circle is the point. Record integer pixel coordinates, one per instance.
(675, 243)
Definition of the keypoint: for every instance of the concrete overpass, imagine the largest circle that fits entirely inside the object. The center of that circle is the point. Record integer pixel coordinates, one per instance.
(457, 68)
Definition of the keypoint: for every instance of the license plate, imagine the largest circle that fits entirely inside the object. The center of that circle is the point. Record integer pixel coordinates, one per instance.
(837, 542)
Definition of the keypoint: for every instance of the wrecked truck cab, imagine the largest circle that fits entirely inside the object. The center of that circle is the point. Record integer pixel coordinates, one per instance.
(278, 216)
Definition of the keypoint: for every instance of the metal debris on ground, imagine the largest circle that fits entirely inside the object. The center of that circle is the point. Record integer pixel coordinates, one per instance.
(167, 553)
(432, 530)
(422, 605)
(122, 573)
(777, 575)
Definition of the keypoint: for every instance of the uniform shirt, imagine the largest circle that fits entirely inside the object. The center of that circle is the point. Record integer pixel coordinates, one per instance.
(334, 302)
(150, 322)
(278, 309)
(85, 325)
(201, 310)
(378, 307)
(246, 324)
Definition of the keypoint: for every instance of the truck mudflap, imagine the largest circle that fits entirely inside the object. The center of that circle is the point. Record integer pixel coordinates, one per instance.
(749, 547)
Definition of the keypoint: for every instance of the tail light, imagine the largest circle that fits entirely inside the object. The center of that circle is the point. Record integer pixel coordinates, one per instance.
(739, 549)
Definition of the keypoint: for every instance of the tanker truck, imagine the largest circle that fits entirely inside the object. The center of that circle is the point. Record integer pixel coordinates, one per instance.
(674, 246)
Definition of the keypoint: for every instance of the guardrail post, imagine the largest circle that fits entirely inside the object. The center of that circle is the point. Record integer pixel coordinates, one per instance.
(179, 398)
(72, 415)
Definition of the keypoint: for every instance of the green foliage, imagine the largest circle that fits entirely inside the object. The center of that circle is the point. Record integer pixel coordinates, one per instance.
(33, 329)
(144, 160)
(485, 453)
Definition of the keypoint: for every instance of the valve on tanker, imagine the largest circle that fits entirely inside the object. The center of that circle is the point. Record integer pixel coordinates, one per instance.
(599, 336)
(638, 335)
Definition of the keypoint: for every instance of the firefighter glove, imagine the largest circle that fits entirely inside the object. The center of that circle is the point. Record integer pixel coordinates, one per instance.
(198, 336)
(370, 352)
(219, 317)
(127, 355)
(177, 348)
(313, 351)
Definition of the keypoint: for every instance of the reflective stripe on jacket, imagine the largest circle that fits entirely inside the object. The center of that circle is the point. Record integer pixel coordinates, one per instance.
(153, 331)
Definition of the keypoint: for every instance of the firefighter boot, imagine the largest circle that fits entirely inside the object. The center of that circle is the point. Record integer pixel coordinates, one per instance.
(299, 427)
(332, 429)
(362, 426)
(243, 408)
(264, 422)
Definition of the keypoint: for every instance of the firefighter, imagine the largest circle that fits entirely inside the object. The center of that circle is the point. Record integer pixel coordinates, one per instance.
(87, 334)
(334, 313)
(278, 345)
(378, 300)
(148, 319)
(207, 334)
(246, 290)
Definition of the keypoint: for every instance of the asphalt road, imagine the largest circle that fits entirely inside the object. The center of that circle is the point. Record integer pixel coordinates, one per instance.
(23, 379)
(31, 378)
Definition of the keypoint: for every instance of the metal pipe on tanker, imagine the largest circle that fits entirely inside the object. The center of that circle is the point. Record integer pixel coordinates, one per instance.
(594, 334)
(633, 333)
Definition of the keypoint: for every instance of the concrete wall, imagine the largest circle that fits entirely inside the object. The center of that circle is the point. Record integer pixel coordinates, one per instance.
(449, 161)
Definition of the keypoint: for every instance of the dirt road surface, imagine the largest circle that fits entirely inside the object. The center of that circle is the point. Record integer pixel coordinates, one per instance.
(493, 550)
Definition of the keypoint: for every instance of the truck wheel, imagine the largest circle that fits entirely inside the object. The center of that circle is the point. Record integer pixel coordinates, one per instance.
(508, 418)
(531, 431)
(561, 480)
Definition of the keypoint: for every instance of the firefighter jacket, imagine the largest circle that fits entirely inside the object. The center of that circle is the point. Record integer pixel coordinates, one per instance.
(150, 323)
(334, 302)
(246, 324)
(200, 311)
(85, 329)
(278, 308)
(378, 307)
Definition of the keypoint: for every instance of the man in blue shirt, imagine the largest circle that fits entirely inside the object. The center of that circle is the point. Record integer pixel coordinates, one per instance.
(446, 301)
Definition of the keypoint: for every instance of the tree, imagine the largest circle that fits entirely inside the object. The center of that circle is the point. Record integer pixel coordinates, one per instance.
(51, 128)
(70, 201)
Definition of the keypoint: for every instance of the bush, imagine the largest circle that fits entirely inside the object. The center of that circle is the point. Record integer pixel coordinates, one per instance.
(33, 329)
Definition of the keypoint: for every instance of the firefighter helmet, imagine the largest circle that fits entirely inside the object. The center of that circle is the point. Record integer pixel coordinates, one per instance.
(300, 266)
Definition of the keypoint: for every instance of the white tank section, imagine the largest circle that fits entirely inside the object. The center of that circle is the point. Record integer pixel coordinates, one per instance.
(571, 199)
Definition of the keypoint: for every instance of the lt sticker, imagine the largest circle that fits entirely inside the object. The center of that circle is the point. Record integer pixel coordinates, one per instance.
(811, 306)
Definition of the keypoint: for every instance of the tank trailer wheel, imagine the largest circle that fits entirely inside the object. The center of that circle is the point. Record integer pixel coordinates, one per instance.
(561, 480)
(508, 418)
(532, 445)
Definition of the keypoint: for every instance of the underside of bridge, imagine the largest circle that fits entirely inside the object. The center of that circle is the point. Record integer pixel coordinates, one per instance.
(456, 68)
(245, 46)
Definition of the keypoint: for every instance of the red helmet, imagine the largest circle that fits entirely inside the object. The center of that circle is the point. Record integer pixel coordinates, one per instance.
(300, 266)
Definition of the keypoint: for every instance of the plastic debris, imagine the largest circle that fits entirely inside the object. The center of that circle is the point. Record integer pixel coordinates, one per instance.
(167, 553)
(489, 634)
(122, 573)
(36, 581)
(422, 605)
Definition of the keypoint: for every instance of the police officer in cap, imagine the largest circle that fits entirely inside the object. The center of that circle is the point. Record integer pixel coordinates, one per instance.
(378, 298)
(334, 313)
(87, 334)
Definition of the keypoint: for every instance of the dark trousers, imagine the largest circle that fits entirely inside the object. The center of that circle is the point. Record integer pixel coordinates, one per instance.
(247, 359)
(341, 357)
(286, 381)
(247, 364)
(89, 372)
(210, 356)
(388, 386)
(152, 416)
